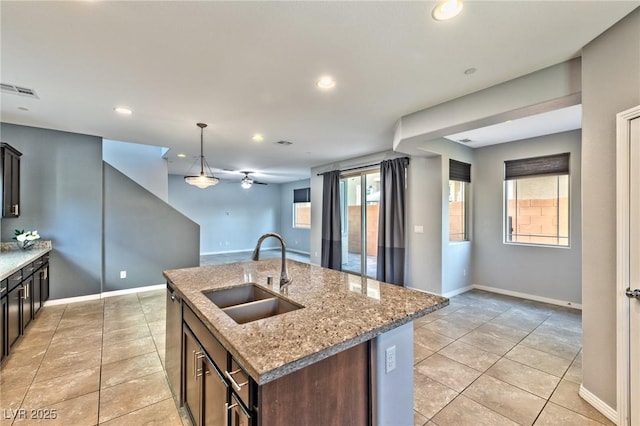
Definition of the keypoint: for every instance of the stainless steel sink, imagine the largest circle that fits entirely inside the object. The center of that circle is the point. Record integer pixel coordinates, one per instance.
(250, 302)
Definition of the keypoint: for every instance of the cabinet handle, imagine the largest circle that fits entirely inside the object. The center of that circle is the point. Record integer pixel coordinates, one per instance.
(197, 356)
(2, 290)
(15, 209)
(25, 292)
(238, 387)
(44, 274)
(228, 408)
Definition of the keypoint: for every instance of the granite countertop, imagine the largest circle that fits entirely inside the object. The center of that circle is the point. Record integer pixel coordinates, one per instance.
(340, 311)
(12, 258)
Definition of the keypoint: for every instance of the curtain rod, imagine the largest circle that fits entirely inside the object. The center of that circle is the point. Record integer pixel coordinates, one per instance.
(356, 168)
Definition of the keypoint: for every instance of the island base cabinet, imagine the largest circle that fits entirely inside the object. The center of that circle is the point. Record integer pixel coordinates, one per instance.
(4, 350)
(333, 391)
(205, 391)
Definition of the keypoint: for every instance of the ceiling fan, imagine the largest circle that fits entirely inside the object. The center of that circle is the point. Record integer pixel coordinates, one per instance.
(247, 182)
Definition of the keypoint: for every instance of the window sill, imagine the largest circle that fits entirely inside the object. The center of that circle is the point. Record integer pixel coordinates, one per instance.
(506, 243)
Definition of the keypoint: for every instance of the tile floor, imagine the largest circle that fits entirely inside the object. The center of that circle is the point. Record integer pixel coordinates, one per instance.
(489, 359)
(484, 360)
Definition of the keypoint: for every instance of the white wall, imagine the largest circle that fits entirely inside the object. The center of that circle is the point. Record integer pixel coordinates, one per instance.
(541, 271)
(231, 218)
(610, 84)
(142, 163)
(296, 238)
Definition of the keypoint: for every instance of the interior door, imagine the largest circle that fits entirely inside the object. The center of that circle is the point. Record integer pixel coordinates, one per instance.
(634, 272)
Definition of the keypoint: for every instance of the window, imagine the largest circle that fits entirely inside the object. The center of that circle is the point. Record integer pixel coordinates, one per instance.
(302, 208)
(459, 179)
(537, 200)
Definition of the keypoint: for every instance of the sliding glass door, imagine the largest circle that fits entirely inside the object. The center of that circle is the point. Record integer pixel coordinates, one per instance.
(360, 200)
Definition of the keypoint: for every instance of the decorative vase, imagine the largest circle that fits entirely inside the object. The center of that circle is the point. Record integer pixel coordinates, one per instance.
(27, 244)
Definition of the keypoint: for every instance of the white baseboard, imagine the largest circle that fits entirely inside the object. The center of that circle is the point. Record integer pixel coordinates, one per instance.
(458, 291)
(598, 404)
(527, 296)
(299, 251)
(104, 295)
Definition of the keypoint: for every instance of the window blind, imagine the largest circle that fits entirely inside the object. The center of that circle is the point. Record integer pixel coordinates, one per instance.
(459, 171)
(302, 195)
(549, 165)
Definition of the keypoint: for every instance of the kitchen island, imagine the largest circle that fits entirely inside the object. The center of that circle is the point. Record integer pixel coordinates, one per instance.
(322, 362)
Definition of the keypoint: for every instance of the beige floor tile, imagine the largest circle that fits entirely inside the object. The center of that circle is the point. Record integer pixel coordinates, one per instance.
(551, 345)
(537, 359)
(463, 411)
(16, 376)
(70, 344)
(574, 373)
(130, 368)
(118, 312)
(469, 355)
(449, 329)
(33, 338)
(53, 367)
(430, 340)
(80, 320)
(566, 395)
(80, 411)
(159, 294)
(420, 352)
(527, 378)
(124, 299)
(163, 413)
(156, 315)
(128, 349)
(424, 320)
(131, 333)
(11, 397)
(120, 323)
(507, 400)
(503, 331)
(554, 415)
(516, 319)
(25, 355)
(419, 419)
(444, 311)
(429, 396)
(488, 343)
(158, 328)
(565, 336)
(133, 395)
(80, 330)
(49, 392)
(448, 372)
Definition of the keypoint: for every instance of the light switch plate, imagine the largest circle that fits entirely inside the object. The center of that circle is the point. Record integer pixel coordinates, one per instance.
(418, 229)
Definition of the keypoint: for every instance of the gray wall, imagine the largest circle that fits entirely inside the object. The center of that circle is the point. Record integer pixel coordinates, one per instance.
(610, 84)
(142, 163)
(61, 197)
(296, 238)
(541, 271)
(143, 235)
(231, 218)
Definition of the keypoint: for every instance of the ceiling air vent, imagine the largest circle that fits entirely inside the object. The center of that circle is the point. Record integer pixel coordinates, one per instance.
(284, 143)
(465, 140)
(18, 90)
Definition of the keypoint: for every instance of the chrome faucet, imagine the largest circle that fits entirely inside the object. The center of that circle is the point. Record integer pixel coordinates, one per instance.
(284, 275)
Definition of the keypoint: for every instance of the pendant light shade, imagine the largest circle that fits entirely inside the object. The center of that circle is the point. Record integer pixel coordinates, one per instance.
(202, 180)
(246, 182)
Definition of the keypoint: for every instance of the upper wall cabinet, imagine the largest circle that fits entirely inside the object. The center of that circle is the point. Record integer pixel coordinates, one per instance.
(10, 180)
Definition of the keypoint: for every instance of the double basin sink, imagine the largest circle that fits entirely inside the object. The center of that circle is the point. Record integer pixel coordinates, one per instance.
(250, 302)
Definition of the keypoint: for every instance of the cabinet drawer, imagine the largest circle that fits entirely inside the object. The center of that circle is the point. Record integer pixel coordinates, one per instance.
(28, 270)
(215, 350)
(240, 382)
(14, 280)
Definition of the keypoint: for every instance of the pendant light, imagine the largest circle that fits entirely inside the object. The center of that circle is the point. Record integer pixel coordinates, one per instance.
(203, 180)
(246, 181)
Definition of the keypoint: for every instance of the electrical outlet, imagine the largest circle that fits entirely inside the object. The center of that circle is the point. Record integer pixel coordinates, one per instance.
(390, 359)
(123, 274)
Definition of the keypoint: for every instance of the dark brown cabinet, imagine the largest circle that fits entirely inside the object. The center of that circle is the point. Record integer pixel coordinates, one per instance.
(24, 294)
(10, 175)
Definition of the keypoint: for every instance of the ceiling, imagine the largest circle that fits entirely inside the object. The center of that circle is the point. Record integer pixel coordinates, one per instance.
(251, 67)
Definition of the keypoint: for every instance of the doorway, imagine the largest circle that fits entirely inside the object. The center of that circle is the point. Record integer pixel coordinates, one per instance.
(359, 207)
(628, 266)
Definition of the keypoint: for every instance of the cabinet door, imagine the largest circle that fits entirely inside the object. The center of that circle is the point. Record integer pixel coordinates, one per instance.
(192, 373)
(4, 347)
(238, 415)
(37, 293)
(15, 185)
(14, 300)
(44, 283)
(214, 398)
(27, 303)
(10, 183)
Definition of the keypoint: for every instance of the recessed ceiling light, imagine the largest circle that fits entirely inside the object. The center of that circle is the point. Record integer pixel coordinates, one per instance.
(326, 82)
(123, 110)
(182, 155)
(470, 71)
(284, 143)
(447, 9)
(257, 137)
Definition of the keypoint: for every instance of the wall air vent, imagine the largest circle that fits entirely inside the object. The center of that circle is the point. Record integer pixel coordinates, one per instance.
(18, 90)
(284, 143)
(465, 140)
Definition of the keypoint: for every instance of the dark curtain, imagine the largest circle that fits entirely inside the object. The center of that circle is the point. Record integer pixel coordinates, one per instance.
(331, 226)
(391, 224)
